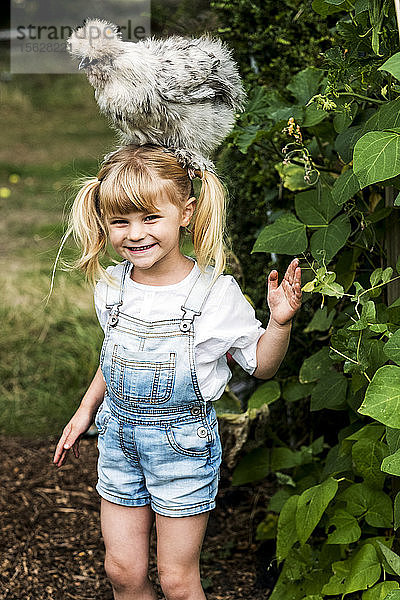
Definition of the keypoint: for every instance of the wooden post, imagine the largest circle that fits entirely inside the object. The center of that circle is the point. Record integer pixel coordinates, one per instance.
(392, 243)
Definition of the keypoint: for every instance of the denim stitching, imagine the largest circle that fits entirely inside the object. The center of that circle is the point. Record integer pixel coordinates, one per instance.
(117, 380)
(132, 456)
(175, 446)
(180, 417)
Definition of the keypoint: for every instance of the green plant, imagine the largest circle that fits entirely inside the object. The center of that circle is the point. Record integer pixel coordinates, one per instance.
(334, 133)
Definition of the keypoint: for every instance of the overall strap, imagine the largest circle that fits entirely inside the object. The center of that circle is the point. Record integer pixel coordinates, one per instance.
(196, 298)
(114, 297)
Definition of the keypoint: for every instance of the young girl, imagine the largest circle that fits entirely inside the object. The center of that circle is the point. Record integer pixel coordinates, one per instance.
(169, 322)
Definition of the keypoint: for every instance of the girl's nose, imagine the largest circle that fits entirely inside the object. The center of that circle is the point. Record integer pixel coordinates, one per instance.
(136, 231)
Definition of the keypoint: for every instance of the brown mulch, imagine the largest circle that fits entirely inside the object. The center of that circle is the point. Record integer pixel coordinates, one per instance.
(51, 546)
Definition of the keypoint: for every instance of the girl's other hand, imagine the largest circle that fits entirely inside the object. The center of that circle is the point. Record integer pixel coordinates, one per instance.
(71, 435)
(284, 300)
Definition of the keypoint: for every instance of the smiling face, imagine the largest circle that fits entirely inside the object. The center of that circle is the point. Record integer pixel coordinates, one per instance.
(150, 240)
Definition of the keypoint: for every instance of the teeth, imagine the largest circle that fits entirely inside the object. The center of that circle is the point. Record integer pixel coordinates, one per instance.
(142, 247)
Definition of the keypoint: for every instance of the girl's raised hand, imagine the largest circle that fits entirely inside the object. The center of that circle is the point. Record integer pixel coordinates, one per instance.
(71, 436)
(284, 300)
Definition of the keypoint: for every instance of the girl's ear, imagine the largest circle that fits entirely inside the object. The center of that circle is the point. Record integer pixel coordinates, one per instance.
(188, 210)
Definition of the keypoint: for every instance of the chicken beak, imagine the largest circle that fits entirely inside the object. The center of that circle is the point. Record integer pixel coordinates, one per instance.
(84, 63)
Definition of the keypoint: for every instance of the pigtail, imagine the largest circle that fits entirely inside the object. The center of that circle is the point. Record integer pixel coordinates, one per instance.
(87, 228)
(209, 223)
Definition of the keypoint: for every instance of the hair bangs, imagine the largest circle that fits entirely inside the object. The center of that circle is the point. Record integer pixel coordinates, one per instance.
(128, 190)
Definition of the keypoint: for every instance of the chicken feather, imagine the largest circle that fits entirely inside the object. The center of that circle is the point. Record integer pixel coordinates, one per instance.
(181, 93)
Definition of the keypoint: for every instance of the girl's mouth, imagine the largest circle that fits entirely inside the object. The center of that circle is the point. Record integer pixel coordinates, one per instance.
(141, 248)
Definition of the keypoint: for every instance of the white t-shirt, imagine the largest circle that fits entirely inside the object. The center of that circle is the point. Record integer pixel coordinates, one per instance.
(227, 323)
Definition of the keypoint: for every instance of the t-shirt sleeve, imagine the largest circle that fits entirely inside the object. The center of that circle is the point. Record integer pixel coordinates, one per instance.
(234, 325)
(248, 330)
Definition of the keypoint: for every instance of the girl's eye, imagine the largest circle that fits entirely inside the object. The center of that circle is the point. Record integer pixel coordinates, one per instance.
(151, 217)
(118, 222)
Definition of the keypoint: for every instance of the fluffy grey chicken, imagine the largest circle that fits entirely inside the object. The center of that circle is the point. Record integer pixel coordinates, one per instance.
(175, 92)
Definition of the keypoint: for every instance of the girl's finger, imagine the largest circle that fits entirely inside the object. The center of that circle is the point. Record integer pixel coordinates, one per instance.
(75, 449)
(60, 447)
(61, 459)
(273, 280)
(297, 289)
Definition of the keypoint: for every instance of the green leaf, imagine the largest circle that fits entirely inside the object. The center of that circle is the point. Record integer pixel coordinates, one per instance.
(343, 117)
(382, 398)
(247, 136)
(286, 236)
(336, 584)
(292, 177)
(367, 457)
(392, 65)
(386, 117)
(293, 391)
(299, 577)
(316, 207)
(322, 8)
(380, 590)
(321, 321)
(312, 116)
(360, 6)
(258, 102)
(227, 403)
(396, 510)
(329, 392)
(358, 573)
(391, 464)
(391, 557)
(265, 394)
(377, 157)
(393, 439)
(284, 458)
(345, 187)
(278, 500)
(315, 366)
(311, 506)
(387, 274)
(374, 505)
(304, 85)
(327, 241)
(346, 529)
(266, 530)
(392, 347)
(393, 595)
(287, 536)
(336, 462)
(370, 433)
(345, 142)
(253, 467)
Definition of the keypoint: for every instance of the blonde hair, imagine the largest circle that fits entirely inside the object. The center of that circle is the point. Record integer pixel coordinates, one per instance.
(134, 178)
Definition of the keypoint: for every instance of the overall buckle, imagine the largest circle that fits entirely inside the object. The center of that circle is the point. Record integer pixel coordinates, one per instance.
(188, 318)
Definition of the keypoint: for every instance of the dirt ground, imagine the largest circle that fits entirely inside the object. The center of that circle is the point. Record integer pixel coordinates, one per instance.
(51, 546)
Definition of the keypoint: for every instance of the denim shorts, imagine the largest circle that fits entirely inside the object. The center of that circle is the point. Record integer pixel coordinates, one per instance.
(171, 465)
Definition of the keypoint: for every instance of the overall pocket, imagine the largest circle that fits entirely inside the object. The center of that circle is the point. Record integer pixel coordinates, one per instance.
(142, 376)
(188, 439)
(102, 418)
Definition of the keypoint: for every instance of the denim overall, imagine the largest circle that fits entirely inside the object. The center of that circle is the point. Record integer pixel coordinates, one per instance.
(158, 438)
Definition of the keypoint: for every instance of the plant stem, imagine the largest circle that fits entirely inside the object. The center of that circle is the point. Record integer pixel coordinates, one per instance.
(361, 97)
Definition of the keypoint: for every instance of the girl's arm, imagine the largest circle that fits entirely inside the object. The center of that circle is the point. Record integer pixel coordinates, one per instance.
(81, 420)
(283, 301)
